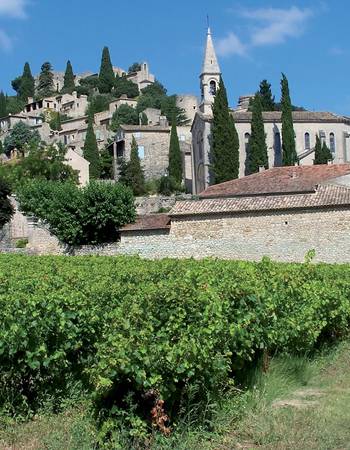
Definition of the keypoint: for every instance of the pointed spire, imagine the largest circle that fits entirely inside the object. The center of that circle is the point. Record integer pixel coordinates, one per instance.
(210, 64)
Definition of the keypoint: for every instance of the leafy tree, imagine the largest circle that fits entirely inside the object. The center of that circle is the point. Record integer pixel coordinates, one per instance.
(123, 86)
(322, 152)
(131, 173)
(3, 105)
(6, 209)
(175, 156)
(106, 160)
(14, 105)
(89, 215)
(135, 67)
(27, 84)
(257, 154)
(16, 84)
(21, 137)
(154, 90)
(289, 154)
(99, 103)
(125, 114)
(2, 151)
(144, 118)
(106, 75)
(69, 83)
(55, 122)
(225, 144)
(267, 99)
(46, 85)
(90, 151)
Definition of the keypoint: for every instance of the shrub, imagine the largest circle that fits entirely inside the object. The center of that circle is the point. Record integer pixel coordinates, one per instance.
(77, 216)
(21, 243)
(6, 209)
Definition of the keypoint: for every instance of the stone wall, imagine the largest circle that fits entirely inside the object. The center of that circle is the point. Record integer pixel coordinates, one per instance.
(149, 205)
(282, 236)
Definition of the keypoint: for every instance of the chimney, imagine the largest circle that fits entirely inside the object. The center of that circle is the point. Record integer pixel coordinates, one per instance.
(261, 168)
(163, 121)
(330, 162)
(30, 100)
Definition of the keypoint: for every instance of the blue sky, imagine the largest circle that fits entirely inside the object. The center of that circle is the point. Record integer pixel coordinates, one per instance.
(308, 40)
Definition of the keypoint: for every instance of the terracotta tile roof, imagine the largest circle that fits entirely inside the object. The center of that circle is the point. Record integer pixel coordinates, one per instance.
(145, 128)
(277, 180)
(149, 222)
(325, 196)
(298, 116)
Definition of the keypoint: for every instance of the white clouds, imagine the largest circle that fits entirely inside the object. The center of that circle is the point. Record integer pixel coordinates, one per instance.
(13, 8)
(230, 45)
(5, 41)
(267, 26)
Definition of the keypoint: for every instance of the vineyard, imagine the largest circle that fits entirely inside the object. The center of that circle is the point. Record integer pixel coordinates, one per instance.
(140, 337)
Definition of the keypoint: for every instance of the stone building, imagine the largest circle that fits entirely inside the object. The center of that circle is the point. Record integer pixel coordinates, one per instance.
(331, 128)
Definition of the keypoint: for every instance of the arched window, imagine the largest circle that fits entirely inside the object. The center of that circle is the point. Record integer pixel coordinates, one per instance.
(278, 149)
(307, 141)
(332, 142)
(246, 142)
(212, 87)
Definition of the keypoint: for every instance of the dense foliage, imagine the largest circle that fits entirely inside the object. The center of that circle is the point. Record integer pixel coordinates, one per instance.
(123, 86)
(267, 99)
(175, 156)
(131, 172)
(322, 152)
(69, 83)
(123, 328)
(6, 209)
(225, 143)
(3, 105)
(76, 215)
(257, 152)
(21, 137)
(46, 85)
(289, 154)
(125, 114)
(106, 76)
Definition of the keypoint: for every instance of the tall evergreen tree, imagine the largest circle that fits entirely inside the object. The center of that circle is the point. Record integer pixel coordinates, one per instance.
(2, 150)
(68, 84)
(132, 173)
(267, 99)
(27, 85)
(289, 154)
(257, 154)
(225, 143)
(46, 86)
(106, 75)
(322, 152)
(175, 156)
(90, 151)
(3, 105)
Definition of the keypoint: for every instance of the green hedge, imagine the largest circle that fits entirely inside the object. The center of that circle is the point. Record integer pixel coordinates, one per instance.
(123, 326)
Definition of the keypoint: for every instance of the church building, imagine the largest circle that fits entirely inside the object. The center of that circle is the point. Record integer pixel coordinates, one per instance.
(331, 128)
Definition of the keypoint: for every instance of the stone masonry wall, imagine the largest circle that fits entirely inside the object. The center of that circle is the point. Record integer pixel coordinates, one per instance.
(284, 236)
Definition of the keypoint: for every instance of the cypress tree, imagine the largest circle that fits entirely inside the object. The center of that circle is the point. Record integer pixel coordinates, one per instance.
(3, 105)
(106, 75)
(225, 144)
(2, 150)
(257, 155)
(132, 173)
(68, 84)
(175, 156)
(289, 154)
(267, 99)
(322, 152)
(90, 151)
(45, 86)
(27, 85)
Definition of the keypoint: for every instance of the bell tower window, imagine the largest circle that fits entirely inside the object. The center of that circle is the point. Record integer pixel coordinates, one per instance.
(212, 87)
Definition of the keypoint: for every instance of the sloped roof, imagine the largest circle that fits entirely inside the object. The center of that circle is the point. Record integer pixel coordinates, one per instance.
(298, 116)
(325, 196)
(145, 128)
(289, 179)
(148, 222)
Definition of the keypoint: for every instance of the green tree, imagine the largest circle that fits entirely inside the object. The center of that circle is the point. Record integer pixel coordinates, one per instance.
(99, 103)
(55, 122)
(1, 148)
(21, 137)
(6, 209)
(27, 85)
(289, 154)
(3, 105)
(14, 104)
(16, 84)
(131, 173)
(225, 144)
(89, 215)
(135, 67)
(123, 86)
(144, 118)
(257, 154)
(322, 152)
(106, 75)
(69, 83)
(267, 99)
(175, 155)
(125, 114)
(46, 85)
(90, 151)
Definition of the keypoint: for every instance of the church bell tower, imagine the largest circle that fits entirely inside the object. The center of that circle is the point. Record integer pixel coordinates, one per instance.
(210, 76)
